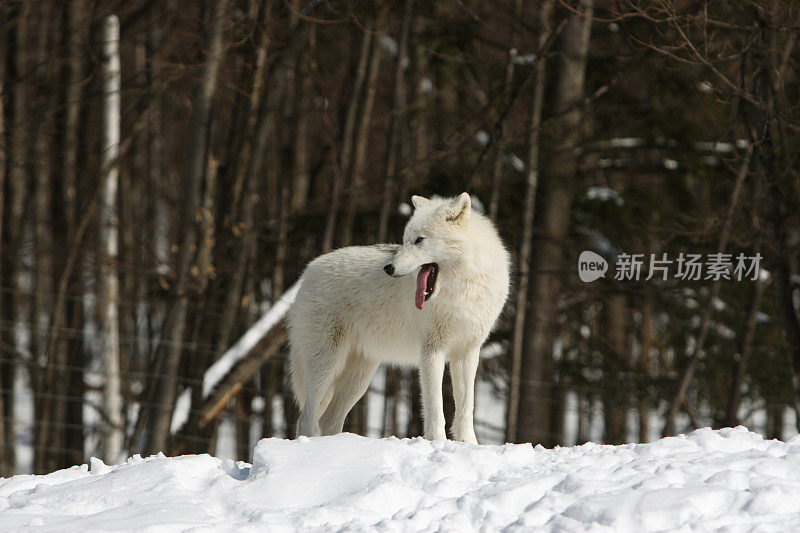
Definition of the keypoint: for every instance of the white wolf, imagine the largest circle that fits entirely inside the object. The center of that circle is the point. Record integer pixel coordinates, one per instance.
(358, 307)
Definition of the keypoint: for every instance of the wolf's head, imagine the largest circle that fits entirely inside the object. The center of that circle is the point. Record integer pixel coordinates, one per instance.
(433, 241)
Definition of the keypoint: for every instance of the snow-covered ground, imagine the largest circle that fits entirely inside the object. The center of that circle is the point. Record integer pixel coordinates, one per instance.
(730, 479)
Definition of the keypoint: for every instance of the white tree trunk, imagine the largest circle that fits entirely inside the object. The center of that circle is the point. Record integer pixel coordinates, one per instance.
(109, 237)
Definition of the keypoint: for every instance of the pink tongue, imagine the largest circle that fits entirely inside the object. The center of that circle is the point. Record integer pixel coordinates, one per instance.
(422, 282)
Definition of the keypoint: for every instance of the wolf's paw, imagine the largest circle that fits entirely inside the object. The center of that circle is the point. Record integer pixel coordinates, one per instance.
(435, 434)
(464, 433)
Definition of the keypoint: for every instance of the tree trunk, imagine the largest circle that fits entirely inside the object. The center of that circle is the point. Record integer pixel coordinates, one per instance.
(69, 352)
(415, 421)
(355, 187)
(44, 369)
(346, 156)
(784, 193)
(302, 95)
(691, 367)
(196, 163)
(498, 168)
(243, 414)
(616, 399)
(250, 166)
(19, 139)
(397, 123)
(74, 438)
(109, 243)
(203, 267)
(5, 442)
(644, 364)
(531, 182)
(391, 390)
(535, 411)
(73, 93)
(157, 225)
(419, 162)
(281, 143)
(278, 272)
(787, 311)
(745, 348)
(774, 427)
(254, 118)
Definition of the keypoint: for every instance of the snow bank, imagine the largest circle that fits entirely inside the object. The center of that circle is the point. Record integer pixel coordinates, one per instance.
(730, 479)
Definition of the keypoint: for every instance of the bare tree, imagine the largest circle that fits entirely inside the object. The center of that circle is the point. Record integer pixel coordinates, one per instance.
(396, 124)
(109, 239)
(531, 182)
(302, 106)
(342, 166)
(647, 336)
(356, 183)
(419, 114)
(694, 358)
(43, 371)
(196, 161)
(69, 353)
(616, 363)
(5, 443)
(556, 186)
(19, 136)
(260, 125)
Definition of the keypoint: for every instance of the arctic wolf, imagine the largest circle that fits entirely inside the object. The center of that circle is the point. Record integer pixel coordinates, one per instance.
(430, 300)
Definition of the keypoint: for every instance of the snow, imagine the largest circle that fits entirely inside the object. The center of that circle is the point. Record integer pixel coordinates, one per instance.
(389, 45)
(604, 194)
(705, 87)
(669, 164)
(425, 86)
(729, 479)
(524, 59)
(514, 162)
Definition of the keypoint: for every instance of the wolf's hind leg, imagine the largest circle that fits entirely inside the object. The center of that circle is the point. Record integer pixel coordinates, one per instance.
(348, 388)
(319, 376)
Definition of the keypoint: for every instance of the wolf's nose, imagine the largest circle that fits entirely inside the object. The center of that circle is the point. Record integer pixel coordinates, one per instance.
(389, 269)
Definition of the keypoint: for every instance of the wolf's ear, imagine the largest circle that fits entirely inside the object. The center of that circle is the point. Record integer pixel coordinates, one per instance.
(419, 201)
(459, 208)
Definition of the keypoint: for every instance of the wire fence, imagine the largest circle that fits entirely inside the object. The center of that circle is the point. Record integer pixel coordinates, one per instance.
(581, 411)
(263, 406)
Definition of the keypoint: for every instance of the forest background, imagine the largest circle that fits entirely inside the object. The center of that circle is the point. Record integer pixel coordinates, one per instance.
(168, 168)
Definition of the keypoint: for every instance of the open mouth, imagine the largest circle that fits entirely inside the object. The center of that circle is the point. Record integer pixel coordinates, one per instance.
(426, 283)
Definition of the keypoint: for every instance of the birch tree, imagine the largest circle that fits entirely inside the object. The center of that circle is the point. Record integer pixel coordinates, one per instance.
(109, 242)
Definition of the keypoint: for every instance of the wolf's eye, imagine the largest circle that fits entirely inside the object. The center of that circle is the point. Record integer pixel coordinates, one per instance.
(419, 240)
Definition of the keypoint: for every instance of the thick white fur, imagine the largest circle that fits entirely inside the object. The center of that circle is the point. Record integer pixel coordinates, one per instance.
(349, 316)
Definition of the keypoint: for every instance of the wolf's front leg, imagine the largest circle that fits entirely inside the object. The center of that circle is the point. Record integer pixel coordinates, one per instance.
(431, 371)
(463, 367)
